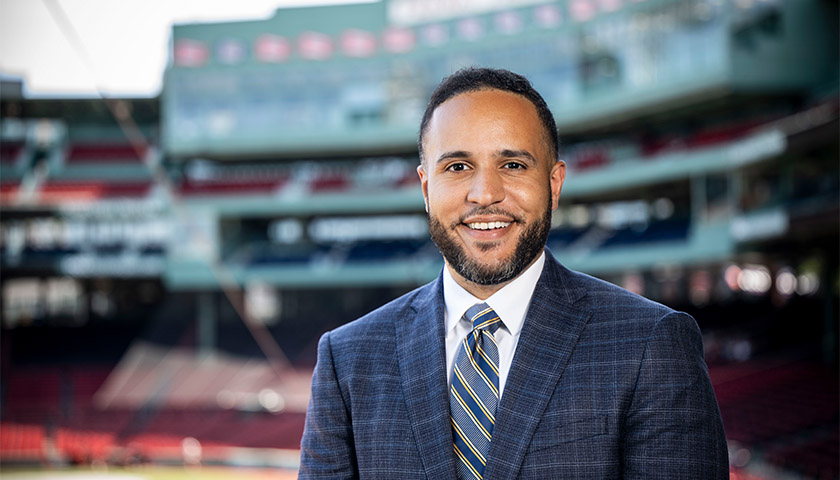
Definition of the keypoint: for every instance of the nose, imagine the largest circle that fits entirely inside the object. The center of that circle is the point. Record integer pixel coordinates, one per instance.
(486, 188)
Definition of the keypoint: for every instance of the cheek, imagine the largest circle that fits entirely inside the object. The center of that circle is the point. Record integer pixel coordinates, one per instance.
(441, 197)
(533, 196)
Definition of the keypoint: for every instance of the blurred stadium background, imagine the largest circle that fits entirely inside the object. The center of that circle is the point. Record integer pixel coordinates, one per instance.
(169, 263)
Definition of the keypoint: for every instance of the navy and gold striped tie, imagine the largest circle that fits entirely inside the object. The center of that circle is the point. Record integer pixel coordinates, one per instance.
(474, 394)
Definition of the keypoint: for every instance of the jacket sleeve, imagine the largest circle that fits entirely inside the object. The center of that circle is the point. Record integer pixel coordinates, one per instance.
(327, 449)
(673, 428)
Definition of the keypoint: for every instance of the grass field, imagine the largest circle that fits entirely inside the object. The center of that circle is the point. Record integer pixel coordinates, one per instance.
(149, 473)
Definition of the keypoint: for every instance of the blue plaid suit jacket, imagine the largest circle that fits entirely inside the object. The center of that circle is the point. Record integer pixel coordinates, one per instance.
(604, 384)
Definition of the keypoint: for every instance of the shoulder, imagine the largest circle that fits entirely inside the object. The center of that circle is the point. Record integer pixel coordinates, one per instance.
(379, 324)
(369, 344)
(633, 316)
(585, 291)
(601, 294)
(610, 306)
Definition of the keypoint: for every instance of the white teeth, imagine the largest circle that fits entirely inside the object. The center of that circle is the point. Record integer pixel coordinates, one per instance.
(487, 225)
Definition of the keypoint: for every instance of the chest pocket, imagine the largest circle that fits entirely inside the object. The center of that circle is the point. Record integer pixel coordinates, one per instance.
(553, 432)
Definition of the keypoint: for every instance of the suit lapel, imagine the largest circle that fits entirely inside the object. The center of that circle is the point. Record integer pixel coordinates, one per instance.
(548, 338)
(420, 347)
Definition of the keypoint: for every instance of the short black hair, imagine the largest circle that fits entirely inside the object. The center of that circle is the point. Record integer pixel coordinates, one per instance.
(472, 79)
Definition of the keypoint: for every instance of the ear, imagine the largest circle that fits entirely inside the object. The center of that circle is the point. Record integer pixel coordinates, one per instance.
(558, 176)
(424, 184)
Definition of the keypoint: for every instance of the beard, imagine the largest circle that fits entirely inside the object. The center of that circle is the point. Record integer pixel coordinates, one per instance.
(530, 244)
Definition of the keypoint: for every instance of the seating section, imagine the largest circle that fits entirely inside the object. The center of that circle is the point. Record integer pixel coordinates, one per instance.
(301, 177)
(55, 191)
(248, 186)
(816, 457)
(59, 191)
(330, 182)
(105, 153)
(86, 382)
(697, 139)
(373, 251)
(265, 255)
(8, 191)
(590, 159)
(82, 446)
(788, 409)
(21, 442)
(78, 172)
(33, 395)
(671, 230)
(13, 165)
(796, 397)
(658, 231)
(167, 427)
(10, 152)
(51, 411)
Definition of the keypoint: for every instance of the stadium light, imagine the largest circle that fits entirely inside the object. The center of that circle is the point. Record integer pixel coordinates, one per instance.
(786, 281)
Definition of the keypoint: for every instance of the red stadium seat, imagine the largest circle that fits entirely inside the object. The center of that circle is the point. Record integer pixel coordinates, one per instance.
(104, 153)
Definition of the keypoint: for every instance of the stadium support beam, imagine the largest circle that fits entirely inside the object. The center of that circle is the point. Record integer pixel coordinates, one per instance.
(698, 198)
(206, 324)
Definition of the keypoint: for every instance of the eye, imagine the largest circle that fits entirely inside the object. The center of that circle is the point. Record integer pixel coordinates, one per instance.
(514, 165)
(457, 167)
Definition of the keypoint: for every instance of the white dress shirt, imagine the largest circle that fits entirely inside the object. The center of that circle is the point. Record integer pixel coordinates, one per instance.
(510, 303)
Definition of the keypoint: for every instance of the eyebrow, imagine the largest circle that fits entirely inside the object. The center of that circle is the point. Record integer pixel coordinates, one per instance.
(506, 153)
(454, 154)
(516, 154)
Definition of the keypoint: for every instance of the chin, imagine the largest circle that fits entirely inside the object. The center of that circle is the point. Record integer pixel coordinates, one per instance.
(491, 260)
(485, 247)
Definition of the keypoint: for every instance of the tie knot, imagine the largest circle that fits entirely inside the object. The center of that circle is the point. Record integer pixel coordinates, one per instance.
(483, 317)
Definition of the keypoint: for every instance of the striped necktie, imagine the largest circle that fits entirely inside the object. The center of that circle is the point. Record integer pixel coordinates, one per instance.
(474, 394)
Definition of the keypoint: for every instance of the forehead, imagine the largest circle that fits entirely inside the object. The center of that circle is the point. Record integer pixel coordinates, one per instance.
(487, 115)
(486, 102)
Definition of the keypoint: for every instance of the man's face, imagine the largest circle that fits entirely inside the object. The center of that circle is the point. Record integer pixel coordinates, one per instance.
(490, 184)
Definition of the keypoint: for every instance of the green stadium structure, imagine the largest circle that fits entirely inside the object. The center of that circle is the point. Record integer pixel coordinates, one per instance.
(349, 78)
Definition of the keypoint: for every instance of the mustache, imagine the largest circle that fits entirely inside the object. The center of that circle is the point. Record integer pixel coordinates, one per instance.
(488, 211)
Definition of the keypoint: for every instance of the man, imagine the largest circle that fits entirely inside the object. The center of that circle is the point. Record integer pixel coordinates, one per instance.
(553, 374)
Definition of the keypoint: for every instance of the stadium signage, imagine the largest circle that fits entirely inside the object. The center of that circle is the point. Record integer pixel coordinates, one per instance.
(469, 21)
(271, 48)
(315, 46)
(231, 51)
(398, 40)
(470, 29)
(190, 53)
(358, 43)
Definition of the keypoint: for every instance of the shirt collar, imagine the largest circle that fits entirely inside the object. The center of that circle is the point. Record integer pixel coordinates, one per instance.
(510, 302)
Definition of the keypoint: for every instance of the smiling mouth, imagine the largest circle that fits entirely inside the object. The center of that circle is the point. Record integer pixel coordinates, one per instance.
(487, 225)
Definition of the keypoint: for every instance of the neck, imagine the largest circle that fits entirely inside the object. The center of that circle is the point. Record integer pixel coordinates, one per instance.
(483, 292)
